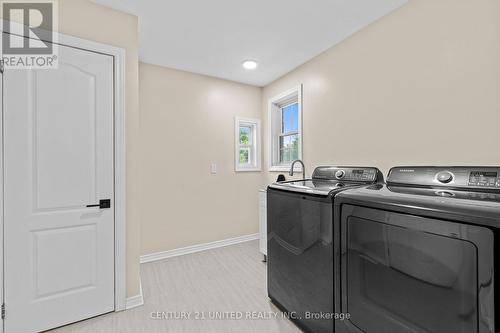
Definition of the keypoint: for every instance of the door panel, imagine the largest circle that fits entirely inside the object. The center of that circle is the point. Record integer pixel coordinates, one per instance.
(59, 272)
(67, 184)
(58, 150)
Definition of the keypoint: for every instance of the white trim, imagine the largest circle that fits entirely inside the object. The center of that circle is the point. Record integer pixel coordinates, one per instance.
(135, 301)
(196, 248)
(1, 198)
(257, 144)
(120, 184)
(119, 157)
(273, 104)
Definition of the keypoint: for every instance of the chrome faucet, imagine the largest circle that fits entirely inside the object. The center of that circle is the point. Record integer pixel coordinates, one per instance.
(303, 168)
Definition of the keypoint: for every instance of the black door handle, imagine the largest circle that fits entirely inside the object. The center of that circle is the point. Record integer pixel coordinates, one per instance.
(105, 203)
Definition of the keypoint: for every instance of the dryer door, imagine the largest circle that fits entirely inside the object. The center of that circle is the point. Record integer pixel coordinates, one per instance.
(402, 273)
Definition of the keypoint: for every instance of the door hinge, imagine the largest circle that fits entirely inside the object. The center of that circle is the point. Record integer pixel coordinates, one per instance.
(3, 310)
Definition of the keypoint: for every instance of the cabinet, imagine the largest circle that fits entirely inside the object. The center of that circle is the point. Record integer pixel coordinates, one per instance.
(263, 222)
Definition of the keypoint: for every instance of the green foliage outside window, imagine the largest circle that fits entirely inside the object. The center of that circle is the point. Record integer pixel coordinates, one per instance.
(244, 156)
(245, 139)
(245, 135)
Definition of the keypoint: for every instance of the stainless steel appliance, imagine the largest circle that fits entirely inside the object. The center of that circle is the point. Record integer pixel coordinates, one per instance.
(418, 254)
(300, 242)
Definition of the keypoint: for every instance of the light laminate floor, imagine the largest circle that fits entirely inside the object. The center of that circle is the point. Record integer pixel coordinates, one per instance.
(228, 281)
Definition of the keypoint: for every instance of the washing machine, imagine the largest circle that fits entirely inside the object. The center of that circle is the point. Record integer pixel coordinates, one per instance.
(300, 243)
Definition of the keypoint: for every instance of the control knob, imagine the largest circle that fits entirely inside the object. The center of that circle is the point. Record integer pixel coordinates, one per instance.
(444, 177)
(340, 174)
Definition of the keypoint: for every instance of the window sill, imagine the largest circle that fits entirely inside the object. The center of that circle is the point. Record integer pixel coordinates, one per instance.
(285, 168)
(248, 170)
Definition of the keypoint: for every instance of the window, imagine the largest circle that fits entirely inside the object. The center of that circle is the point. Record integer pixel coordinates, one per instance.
(285, 119)
(247, 144)
(289, 137)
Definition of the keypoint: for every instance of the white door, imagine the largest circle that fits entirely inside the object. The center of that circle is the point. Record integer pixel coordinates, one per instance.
(58, 146)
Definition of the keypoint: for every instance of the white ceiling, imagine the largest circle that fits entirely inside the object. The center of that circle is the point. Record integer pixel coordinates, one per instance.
(213, 37)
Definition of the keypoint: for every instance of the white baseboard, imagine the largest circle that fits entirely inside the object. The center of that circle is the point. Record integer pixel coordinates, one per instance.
(196, 248)
(135, 301)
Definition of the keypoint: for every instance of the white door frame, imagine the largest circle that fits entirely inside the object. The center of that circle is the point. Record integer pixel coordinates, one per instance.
(119, 163)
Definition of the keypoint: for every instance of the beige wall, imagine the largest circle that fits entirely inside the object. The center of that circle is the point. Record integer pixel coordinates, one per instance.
(420, 86)
(187, 123)
(88, 20)
(405, 90)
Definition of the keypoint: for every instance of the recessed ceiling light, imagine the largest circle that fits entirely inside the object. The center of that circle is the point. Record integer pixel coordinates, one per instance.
(250, 64)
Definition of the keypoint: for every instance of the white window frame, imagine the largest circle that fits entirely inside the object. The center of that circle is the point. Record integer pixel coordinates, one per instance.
(255, 146)
(275, 105)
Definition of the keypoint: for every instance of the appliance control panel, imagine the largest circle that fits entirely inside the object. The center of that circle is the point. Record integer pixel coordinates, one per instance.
(348, 174)
(484, 178)
(473, 178)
